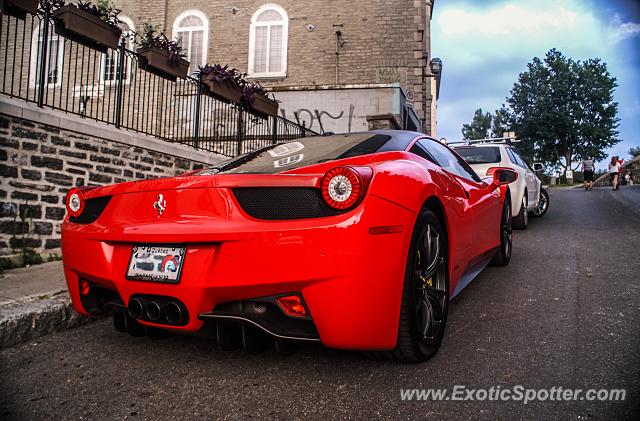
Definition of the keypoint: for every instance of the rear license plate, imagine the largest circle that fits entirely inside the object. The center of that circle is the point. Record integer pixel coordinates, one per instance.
(156, 263)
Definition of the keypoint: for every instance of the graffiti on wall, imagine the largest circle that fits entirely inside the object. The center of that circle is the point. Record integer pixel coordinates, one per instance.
(317, 119)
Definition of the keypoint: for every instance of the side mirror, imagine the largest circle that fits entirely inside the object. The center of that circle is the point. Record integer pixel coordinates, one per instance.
(537, 166)
(503, 176)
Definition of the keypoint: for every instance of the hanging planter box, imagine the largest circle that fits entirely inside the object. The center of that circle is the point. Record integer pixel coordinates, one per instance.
(86, 29)
(263, 105)
(157, 61)
(20, 8)
(225, 91)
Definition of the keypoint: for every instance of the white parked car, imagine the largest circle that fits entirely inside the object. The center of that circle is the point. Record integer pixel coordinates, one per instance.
(526, 193)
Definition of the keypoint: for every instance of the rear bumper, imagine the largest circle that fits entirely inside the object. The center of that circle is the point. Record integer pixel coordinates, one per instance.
(351, 280)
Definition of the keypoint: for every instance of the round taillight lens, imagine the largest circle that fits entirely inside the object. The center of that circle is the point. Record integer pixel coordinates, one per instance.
(342, 188)
(75, 202)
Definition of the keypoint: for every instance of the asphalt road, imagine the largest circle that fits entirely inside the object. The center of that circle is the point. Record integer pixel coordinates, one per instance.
(566, 312)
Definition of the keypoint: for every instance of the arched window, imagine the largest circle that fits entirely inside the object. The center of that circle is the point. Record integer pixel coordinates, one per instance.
(111, 58)
(192, 29)
(54, 61)
(268, 42)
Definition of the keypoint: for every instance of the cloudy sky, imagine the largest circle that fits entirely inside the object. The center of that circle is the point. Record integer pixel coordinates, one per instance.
(485, 44)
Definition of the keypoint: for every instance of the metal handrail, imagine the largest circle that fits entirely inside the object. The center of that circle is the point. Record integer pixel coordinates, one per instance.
(40, 65)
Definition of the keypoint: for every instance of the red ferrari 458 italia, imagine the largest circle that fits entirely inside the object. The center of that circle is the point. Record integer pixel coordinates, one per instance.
(355, 241)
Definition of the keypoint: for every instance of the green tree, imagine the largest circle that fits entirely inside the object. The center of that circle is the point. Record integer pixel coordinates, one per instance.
(634, 151)
(563, 110)
(479, 126)
(500, 122)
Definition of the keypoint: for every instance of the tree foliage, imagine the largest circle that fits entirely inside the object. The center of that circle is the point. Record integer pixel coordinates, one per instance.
(484, 125)
(500, 122)
(634, 151)
(479, 127)
(563, 110)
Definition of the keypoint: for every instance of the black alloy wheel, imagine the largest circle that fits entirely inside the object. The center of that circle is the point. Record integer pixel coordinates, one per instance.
(543, 204)
(425, 296)
(503, 255)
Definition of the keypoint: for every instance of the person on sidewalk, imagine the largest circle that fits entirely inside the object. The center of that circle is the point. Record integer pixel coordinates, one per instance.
(614, 172)
(587, 171)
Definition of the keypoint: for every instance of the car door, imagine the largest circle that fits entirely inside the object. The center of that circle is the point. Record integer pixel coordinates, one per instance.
(460, 216)
(482, 206)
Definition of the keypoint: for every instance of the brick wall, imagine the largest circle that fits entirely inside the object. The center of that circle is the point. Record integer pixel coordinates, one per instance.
(40, 162)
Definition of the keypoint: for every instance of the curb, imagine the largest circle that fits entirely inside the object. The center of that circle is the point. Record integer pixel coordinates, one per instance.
(35, 316)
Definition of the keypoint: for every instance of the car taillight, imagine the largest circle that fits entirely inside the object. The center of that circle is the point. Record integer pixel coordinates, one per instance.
(75, 202)
(343, 187)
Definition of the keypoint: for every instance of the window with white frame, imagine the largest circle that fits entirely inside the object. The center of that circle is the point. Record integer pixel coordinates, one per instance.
(54, 60)
(268, 38)
(191, 29)
(110, 60)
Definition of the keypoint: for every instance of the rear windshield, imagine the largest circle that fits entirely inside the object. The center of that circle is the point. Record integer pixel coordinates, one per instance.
(484, 155)
(301, 153)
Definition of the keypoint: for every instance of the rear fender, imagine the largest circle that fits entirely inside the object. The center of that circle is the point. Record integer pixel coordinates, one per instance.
(411, 184)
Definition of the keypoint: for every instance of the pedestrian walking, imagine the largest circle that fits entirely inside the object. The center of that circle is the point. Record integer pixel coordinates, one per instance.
(614, 172)
(587, 171)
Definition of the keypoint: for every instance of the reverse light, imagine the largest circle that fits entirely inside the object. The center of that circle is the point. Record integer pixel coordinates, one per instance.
(342, 187)
(75, 202)
(292, 306)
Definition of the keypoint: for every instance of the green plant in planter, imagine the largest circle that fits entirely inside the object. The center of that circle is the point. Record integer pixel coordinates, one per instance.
(250, 90)
(161, 55)
(151, 38)
(221, 81)
(103, 10)
(255, 98)
(95, 25)
(220, 73)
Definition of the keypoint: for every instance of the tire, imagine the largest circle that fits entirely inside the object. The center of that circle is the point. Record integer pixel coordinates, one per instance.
(425, 293)
(543, 204)
(503, 255)
(521, 220)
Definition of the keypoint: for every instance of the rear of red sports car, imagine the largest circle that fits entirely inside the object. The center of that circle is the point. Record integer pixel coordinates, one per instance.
(293, 242)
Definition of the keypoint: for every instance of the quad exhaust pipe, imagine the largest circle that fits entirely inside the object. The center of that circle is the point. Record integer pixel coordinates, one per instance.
(161, 310)
(173, 313)
(136, 308)
(154, 312)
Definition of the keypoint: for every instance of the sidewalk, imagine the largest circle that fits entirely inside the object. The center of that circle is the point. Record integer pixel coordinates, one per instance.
(33, 302)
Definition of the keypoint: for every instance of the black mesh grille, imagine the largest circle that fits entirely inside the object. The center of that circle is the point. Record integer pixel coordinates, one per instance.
(280, 203)
(269, 316)
(92, 210)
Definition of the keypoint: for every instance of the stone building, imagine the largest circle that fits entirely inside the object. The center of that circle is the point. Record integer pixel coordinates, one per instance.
(332, 64)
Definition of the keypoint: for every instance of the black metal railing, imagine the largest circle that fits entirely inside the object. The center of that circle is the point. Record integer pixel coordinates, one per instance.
(39, 65)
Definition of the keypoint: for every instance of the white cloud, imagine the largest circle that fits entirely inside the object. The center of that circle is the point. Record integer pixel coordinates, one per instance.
(518, 28)
(507, 19)
(619, 31)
